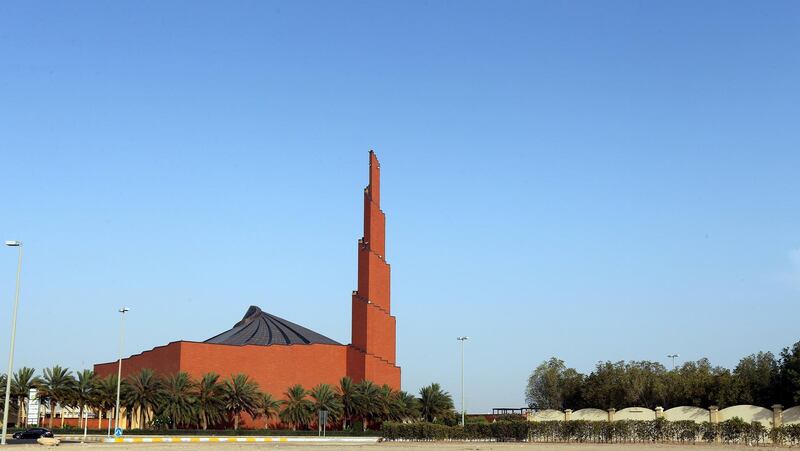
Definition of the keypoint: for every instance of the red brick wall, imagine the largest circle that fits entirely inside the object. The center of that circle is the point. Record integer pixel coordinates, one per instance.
(381, 372)
(275, 368)
(374, 276)
(93, 423)
(162, 360)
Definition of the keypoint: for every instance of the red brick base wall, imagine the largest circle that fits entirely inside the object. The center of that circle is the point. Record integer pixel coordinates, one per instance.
(275, 368)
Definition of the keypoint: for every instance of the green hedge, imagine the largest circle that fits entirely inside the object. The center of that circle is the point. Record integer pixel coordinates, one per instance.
(501, 431)
(787, 435)
(625, 431)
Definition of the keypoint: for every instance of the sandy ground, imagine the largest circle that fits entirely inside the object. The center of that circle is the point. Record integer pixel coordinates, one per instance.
(411, 446)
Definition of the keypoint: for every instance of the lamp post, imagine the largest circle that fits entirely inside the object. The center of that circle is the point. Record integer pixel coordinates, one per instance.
(463, 409)
(13, 337)
(673, 357)
(123, 310)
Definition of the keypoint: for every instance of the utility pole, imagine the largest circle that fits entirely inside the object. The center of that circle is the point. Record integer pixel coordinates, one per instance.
(13, 338)
(673, 357)
(123, 310)
(463, 407)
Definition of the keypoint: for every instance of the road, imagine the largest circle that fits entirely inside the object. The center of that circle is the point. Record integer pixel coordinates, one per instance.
(405, 446)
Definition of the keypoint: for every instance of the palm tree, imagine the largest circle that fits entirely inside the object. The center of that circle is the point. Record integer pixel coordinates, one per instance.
(369, 401)
(83, 392)
(240, 394)
(210, 403)
(268, 407)
(56, 386)
(143, 392)
(21, 386)
(347, 394)
(177, 399)
(296, 409)
(105, 397)
(434, 403)
(403, 406)
(325, 398)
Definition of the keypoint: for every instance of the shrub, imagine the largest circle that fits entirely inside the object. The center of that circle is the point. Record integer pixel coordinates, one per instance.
(660, 430)
(509, 431)
(786, 434)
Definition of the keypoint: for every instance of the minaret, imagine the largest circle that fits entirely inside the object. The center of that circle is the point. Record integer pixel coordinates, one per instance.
(373, 325)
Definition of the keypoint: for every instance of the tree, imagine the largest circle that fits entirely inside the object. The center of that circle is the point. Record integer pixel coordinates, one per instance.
(384, 411)
(403, 406)
(698, 384)
(644, 384)
(268, 407)
(434, 402)
(604, 387)
(347, 394)
(789, 375)
(83, 394)
(297, 409)
(142, 393)
(369, 402)
(56, 387)
(210, 400)
(21, 384)
(240, 394)
(554, 386)
(324, 398)
(178, 399)
(755, 380)
(105, 397)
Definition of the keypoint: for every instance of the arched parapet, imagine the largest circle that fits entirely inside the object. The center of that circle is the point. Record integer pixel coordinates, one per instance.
(747, 413)
(635, 413)
(791, 416)
(687, 413)
(590, 415)
(546, 415)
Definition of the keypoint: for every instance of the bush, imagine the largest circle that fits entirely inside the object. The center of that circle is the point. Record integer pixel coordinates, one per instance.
(786, 434)
(660, 430)
(509, 431)
(477, 420)
(501, 431)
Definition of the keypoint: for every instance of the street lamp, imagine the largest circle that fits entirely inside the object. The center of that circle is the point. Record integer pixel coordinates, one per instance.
(463, 409)
(673, 357)
(123, 310)
(13, 337)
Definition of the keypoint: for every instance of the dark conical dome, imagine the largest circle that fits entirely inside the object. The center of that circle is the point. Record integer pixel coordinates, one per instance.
(259, 328)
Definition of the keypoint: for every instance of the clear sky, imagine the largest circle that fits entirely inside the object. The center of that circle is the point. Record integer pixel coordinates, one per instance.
(591, 180)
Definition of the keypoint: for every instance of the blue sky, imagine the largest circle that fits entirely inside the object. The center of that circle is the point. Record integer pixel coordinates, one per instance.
(591, 180)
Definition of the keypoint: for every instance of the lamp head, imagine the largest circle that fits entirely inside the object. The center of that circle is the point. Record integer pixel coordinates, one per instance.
(462, 338)
(13, 243)
(124, 309)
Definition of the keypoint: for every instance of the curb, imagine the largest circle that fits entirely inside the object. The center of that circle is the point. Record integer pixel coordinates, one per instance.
(241, 439)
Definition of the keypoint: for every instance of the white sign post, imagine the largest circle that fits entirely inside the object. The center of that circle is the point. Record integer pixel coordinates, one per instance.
(33, 408)
(85, 423)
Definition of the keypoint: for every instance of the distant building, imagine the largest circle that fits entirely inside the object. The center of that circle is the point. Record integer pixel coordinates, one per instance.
(278, 353)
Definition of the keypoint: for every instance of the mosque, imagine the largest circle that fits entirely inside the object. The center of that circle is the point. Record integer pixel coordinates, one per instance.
(278, 353)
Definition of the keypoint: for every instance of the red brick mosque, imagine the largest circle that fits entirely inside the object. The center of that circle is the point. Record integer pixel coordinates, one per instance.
(277, 353)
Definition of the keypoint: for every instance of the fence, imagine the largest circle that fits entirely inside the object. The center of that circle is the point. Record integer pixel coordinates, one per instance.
(768, 418)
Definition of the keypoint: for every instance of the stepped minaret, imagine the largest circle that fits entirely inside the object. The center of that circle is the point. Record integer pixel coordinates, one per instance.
(373, 325)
